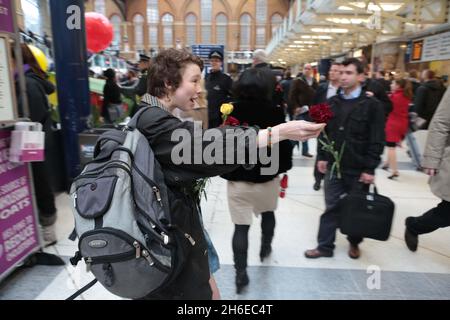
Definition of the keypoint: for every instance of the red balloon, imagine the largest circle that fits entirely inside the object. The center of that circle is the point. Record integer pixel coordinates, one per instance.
(99, 31)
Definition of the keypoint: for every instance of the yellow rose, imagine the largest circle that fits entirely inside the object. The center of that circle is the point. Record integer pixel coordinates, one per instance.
(226, 108)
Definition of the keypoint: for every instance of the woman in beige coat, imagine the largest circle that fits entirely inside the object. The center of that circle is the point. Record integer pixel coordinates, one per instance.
(436, 163)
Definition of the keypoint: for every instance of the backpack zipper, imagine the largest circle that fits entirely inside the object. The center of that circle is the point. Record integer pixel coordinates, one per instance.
(158, 195)
(110, 259)
(138, 249)
(96, 173)
(138, 252)
(99, 168)
(191, 240)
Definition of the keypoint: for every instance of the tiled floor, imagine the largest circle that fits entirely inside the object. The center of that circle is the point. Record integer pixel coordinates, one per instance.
(287, 274)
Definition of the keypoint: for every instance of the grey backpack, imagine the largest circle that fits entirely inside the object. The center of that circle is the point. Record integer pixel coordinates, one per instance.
(122, 219)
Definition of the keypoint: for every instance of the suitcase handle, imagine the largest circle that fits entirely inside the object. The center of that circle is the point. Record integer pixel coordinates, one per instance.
(362, 187)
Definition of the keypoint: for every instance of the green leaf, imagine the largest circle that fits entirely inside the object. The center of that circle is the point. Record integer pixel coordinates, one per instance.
(333, 168)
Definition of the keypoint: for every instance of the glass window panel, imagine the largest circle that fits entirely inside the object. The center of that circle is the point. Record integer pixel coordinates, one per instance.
(152, 11)
(261, 11)
(245, 27)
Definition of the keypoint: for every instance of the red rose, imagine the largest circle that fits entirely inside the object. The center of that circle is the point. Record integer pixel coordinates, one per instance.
(321, 113)
(231, 121)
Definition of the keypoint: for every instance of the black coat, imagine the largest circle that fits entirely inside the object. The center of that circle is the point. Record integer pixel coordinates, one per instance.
(314, 84)
(142, 85)
(37, 91)
(321, 93)
(362, 130)
(276, 96)
(218, 86)
(379, 93)
(111, 95)
(158, 125)
(427, 99)
(262, 114)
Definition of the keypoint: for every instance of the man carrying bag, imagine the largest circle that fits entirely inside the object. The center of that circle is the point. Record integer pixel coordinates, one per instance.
(366, 214)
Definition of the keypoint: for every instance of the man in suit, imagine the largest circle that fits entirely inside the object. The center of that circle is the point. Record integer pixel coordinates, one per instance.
(324, 92)
(308, 77)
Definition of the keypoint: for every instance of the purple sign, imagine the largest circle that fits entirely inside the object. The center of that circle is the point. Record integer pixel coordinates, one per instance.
(6, 16)
(18, 226)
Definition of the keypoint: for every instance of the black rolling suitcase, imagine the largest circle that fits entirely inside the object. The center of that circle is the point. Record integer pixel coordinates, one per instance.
(366, 214)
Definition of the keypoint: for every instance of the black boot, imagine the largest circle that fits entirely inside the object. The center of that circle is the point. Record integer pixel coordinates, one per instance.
(240, 247)
(267, 227)
(242, 280)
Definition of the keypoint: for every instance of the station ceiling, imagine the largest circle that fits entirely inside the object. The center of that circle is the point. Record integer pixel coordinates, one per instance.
(317, 29)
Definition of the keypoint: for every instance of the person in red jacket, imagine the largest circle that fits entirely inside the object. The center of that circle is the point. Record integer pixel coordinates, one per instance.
(397, 122)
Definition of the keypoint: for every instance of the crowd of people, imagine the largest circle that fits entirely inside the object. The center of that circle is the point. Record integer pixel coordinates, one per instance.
(369, 115)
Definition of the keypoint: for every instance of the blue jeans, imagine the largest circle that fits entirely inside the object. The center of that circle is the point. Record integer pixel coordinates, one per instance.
(213, 257)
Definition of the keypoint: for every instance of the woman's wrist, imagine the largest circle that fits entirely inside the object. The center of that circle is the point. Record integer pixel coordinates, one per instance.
(275, 136)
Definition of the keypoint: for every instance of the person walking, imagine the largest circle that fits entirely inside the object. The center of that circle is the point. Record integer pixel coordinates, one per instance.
(359, 122)
(324, 92)
(427, 98)
(398, 122)
(249, 190)
(436, 164)
(301, 97)
(112, 103)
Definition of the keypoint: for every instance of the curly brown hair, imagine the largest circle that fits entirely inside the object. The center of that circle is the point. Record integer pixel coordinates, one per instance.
(167, 68)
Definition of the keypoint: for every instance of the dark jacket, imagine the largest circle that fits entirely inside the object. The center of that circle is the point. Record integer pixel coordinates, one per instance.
(111, 95)
(314, 84)
(427, 99)
(286, 86)
(37, 91)
(218, 86)
(273, 81)
(362, 130)
(379, 93)
(321, 93)
(386, 84)
(262, 114)
(158, 126)
(300, 96)
(142, 85)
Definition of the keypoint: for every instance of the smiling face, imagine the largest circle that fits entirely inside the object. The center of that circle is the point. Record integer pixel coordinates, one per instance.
(187, 93)
(216, 64)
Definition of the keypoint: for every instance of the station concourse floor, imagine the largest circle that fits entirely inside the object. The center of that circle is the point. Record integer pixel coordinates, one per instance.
(286, 274)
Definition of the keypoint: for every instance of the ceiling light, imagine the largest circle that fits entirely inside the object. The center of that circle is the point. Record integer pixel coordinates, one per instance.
(329, 30)
(385, 6)
(323, 37)
(347, 21)
(305, 42)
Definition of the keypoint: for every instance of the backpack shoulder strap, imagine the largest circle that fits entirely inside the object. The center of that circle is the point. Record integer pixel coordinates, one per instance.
(86, 287)
(134, 121)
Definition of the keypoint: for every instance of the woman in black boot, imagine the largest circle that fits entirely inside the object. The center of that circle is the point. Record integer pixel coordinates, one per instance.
(255, 188)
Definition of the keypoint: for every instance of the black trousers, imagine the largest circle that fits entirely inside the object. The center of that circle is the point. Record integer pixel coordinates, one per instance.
(334, 188)
(45, 199)
(438, 217)
(240, 238)
(318, 176)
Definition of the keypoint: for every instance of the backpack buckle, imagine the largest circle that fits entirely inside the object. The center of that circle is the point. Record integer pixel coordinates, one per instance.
(76, 258)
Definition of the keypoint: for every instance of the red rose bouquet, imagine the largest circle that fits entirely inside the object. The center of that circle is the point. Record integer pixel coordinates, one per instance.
(322, 113)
